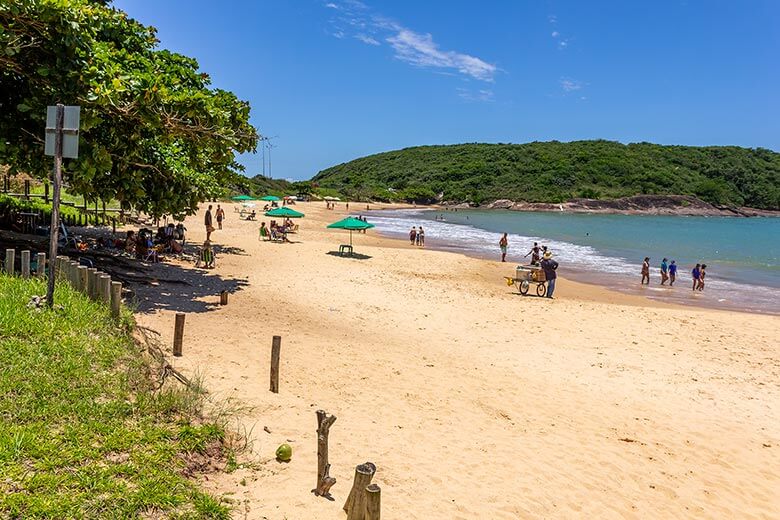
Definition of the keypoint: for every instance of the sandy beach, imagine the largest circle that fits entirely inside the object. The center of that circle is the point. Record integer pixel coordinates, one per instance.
(473, 401)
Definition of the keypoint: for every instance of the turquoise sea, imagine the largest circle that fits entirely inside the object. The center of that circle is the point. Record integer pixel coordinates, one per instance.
(742, 254)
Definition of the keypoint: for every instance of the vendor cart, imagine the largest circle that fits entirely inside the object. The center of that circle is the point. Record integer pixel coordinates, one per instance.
(525, 275)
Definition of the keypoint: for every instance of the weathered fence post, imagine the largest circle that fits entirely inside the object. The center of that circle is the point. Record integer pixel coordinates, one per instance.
(92, 282)
(178, 333)
(116, 298)
(276, 347)
(223, 298)
(41, 265)
(355, 506)
(105, 289)
(26, 264)
(373, 495)
(10, 259)
(83, 280)
(73, 274)
(324, 480)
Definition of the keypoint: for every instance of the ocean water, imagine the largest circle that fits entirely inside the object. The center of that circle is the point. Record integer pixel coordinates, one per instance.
(742, 254)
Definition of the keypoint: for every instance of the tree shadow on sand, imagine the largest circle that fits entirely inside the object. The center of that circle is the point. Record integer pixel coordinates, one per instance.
(356, 256)
(175, 288)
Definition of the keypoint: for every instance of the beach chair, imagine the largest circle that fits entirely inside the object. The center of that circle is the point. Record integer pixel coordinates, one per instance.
(151, 252)
(206, 258)
(264, 234)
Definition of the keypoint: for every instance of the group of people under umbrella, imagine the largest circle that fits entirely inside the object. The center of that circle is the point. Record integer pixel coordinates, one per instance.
(272, 232)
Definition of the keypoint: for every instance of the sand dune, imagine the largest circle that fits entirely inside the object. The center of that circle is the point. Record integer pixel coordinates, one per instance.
(475, 402)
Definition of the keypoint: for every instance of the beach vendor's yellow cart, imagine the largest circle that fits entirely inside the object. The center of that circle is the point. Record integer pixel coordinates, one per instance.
(525, 275)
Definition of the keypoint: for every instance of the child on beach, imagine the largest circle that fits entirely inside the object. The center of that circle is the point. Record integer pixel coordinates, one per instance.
(664, 271)
(702, 274)
(413, 235)
(645, 271)
(672, 273)
(502, 244)
(535, 255)
(695, 275)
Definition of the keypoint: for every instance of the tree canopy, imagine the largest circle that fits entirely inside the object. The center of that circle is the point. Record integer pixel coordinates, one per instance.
(555, 172)
(154, 134)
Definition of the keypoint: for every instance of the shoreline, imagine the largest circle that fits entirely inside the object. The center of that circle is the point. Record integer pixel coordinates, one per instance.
(614, 283)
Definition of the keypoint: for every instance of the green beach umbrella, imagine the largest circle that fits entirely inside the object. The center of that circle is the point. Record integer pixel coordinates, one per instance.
(351, 224)
(284, 212)
(270, 198)
(242, 197)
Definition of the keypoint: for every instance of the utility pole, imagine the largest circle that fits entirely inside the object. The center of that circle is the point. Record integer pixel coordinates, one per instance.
(60, 142)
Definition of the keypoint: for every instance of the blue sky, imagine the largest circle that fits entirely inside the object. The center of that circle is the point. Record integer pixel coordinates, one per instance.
(340, 79)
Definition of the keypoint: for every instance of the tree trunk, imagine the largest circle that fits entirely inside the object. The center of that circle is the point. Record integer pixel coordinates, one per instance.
(324, 480)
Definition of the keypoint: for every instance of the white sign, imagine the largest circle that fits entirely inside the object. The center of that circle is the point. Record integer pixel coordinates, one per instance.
(70, 131)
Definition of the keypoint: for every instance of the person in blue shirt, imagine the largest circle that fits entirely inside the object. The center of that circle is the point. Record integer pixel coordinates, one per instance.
(695, 275)
(664, 271)
(672, 273)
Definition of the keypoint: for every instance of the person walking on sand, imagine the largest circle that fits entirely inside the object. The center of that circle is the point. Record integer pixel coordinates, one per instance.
(421, 237)
(502, 244)
(702, 274)
(645, 271)
(413, 235)
(664, 271)
(549, 266)
(672, 273)
(695, 275)
(220, 214)
(209, 223)
(535, 254)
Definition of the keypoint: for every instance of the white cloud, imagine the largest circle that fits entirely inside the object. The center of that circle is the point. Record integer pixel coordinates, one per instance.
(563, 44)
(339, 34)
(422, 51)
(367, 39)
(332, 6)
(552, 18)
(555, 34)
(570, 85)
(484, 95)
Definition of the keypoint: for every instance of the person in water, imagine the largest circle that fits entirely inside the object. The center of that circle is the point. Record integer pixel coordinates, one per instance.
(645, 271)
(413, 235)
(672, 273)
(695, 275)
(421, 237)
(502, 244)
(549, 266)
(535, 254)
(702, 274)
(664, 271)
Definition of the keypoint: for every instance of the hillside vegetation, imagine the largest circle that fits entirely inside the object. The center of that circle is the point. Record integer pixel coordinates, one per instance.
(556, 172)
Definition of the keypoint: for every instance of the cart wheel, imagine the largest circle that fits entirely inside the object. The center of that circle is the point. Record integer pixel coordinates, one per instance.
(523, 287)
(541, 289)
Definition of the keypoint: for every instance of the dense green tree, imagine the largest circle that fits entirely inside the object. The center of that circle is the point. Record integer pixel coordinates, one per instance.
(555, 172)
(154, 135)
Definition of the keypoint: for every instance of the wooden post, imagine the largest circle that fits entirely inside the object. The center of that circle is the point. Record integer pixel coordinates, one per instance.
(83, 283)
(276, 347)
(46, 192)
(113, 225)
(70, 269)
(105, 289)
(92, 283)
(116, 298)
(223, 298)
(324, 480)
(54, 228)
(373, 493)
(355, 506)
(178, 333)
(26, 264)
(27, 189)
(41, 270)
(60, 272)
(10, 259)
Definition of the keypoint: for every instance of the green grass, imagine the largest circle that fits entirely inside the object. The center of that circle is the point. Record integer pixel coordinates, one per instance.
(82, 433)
(8, 203)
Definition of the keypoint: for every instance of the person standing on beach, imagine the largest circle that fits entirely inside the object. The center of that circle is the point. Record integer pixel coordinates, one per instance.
(549, 266)
(421, 237)
(695, 275)
(672, 273)
(645, 271)
(209, 223)
(535, 255)
(664, 271)
(220, 214)
(413, 235)
(502, 244)
(702, 274)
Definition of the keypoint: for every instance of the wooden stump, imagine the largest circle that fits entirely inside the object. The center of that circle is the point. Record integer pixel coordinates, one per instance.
(104, 288)
(324, 480)
(355, 506)
(116, 298)
(83, 280)
(223, 298)
(178, 333)
(10, 259)
(373, 493)
(25, 264)
(92, 283)
(276, 347)
(41, 263)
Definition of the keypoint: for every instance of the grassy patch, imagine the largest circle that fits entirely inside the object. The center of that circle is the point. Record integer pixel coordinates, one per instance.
(82, 433)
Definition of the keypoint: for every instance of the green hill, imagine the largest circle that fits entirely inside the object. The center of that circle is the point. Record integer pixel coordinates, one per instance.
(555, 172)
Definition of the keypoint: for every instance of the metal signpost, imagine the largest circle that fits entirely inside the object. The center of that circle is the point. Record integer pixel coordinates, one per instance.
(62, 140)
